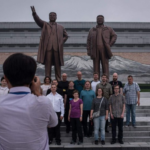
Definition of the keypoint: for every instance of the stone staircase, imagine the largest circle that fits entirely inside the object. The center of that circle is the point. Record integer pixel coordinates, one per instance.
(133, 137)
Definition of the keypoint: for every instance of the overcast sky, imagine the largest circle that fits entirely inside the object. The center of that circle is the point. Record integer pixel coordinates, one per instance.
(76, 10)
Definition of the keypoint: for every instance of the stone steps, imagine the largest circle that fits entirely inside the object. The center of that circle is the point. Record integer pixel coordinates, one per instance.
(134, 138)
(126, 145)
(108, 139)
(125, 133)
(130, 134)
(143, 111)
(92, 146)
(141, 114)
(130, 128)
(142, 107)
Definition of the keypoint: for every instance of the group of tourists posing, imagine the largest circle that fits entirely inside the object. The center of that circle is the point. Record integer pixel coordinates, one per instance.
(91, 103)
(26, 113)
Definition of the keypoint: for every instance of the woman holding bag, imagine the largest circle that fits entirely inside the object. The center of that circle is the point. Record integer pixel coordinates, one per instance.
(99, 113)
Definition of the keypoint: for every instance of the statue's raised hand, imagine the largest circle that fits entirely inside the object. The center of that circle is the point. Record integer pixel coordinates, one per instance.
(38, 21)
(33, 9)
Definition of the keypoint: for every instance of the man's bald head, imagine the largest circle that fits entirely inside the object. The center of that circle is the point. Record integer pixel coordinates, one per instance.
(79, 75)
(64, 77)
(64, 74)
(115, 76)
(79, 72)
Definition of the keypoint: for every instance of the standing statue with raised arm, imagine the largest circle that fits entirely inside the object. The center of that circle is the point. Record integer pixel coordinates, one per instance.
(50, 50)
(99, 41)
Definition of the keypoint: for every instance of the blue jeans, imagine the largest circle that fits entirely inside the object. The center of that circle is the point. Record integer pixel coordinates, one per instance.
(130, 108)
(99, 122)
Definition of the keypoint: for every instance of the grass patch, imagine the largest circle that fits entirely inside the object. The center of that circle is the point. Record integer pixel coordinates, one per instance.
(145, 90)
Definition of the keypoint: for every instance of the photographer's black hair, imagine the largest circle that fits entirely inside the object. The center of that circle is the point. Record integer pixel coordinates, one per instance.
(19, 69)
(2, 78)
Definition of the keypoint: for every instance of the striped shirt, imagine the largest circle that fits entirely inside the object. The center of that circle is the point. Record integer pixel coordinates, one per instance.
(130, 92)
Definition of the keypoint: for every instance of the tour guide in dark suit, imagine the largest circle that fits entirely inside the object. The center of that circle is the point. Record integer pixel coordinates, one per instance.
(99, 41)
(50, 50)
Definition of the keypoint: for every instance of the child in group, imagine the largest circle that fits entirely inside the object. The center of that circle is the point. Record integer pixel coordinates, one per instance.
(75, 116)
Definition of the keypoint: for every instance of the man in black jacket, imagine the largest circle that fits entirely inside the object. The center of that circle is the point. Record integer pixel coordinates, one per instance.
(63, 84)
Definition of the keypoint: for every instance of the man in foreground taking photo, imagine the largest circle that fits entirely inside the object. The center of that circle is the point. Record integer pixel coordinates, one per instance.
(24, 116)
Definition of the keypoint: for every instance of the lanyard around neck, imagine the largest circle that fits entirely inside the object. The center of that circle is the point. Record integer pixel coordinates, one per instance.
(19, 93)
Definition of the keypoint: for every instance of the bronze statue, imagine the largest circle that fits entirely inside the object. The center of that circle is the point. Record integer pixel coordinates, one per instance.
(99, 41)
(50, 50)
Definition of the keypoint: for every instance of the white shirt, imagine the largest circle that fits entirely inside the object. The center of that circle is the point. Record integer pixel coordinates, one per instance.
(57, 102)
(3, 90)
(45, 88)
(93, 85)
(24, 119)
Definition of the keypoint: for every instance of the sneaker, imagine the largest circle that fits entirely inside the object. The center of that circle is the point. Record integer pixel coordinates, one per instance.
(58, 143)
(85, 135)
(50, 142)
(96, 142)
(113, 142)
(134, 126)
(121, 142)
(103, 142)
(79, 142)
(126, 126)
(72, 142)
(90, 135)
(67, 131)
(106, 131)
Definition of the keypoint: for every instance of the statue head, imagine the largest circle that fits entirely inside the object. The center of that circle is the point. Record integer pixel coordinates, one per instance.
(52, 16)
(100, 19)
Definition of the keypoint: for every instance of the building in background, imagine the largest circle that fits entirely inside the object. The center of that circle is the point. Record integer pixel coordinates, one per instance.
(131, 50)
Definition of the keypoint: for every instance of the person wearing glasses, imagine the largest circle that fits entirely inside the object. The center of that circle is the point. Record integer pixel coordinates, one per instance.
(117, 108)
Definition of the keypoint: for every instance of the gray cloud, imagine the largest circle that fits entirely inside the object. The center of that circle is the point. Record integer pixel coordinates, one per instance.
(76, 10)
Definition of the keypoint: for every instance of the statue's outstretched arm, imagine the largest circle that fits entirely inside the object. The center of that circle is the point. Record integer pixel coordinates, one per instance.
(38, 21)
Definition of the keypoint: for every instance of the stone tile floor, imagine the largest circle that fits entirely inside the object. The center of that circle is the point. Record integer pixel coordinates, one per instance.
(145, 98)
(107, 144)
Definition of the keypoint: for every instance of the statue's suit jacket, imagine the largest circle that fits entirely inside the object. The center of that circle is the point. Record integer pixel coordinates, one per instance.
(44, 39)
(109, 37)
